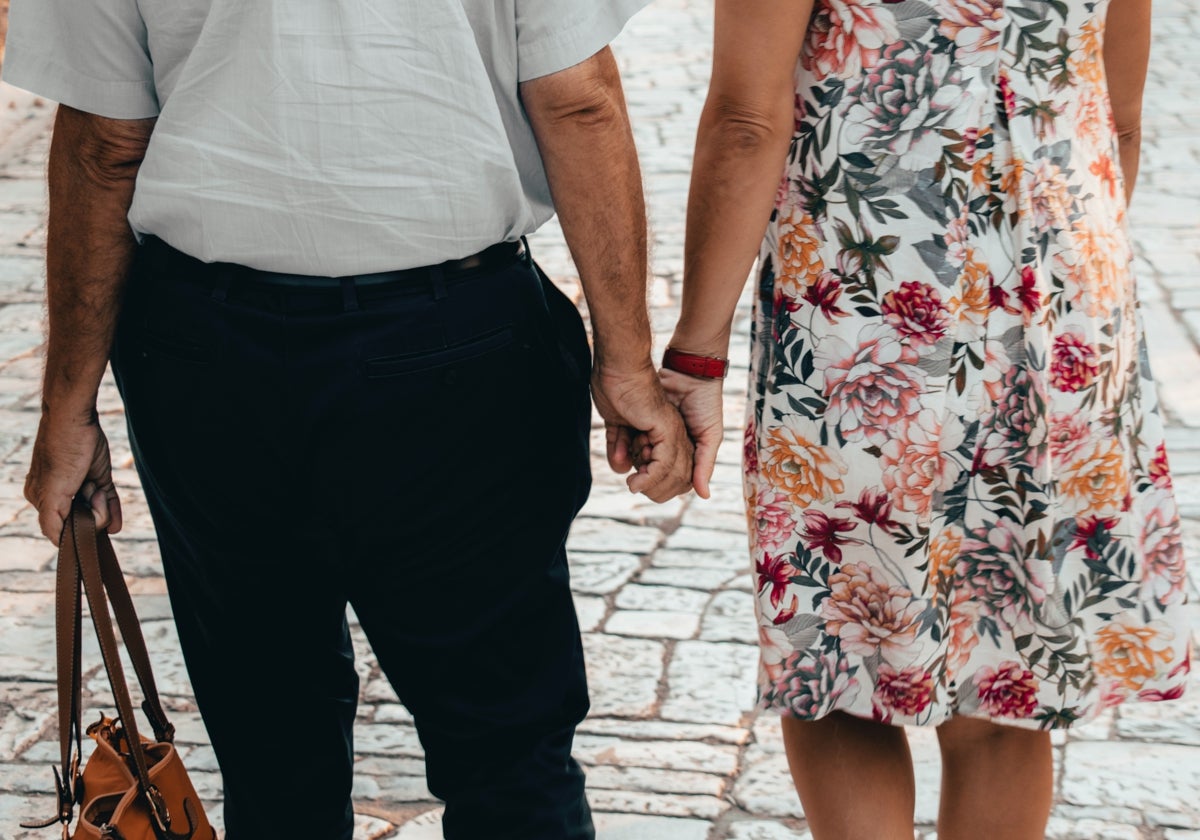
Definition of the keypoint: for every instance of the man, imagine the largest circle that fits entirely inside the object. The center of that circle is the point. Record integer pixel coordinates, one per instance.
(345, 380)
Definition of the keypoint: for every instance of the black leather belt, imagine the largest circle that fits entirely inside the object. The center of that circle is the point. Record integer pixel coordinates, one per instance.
(164, 256)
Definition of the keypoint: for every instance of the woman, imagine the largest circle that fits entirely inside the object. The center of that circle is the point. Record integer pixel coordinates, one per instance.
(961, 514)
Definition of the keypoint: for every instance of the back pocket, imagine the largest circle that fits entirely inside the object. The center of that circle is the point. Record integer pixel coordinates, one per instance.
(381, 367)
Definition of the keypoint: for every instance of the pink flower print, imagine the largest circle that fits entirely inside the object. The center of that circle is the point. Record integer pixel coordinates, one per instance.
(1008, 691)
(1075, 364)
(1160, 471)
(1070, 437)
(906, 692)
(871, 387)
(1006, 91)
(1014, 430)
(774, 573)
(914, 466)
(822, 532)
(962, 634)
(773, 520)
(994, 569)
(844, 38)
(812, 687)
(1161, 541)
(917, 313)
(870, 615)
(1093, 534)
(975, 27)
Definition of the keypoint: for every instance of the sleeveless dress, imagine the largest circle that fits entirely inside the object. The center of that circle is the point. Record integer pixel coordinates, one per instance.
(958, 493)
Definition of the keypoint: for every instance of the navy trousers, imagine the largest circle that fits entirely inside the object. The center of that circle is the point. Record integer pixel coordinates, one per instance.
(416, 449)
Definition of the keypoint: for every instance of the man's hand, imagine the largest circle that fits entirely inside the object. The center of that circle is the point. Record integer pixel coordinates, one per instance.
(643, 431)
(71, 457)
(701, 405)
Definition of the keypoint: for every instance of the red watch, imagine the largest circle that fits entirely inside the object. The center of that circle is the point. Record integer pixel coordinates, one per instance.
(705, 367)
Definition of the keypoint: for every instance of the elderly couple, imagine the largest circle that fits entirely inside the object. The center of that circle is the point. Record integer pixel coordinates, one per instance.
(296, 231)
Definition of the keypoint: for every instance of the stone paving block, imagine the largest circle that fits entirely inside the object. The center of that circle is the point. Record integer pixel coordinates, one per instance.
(667, 755)
(600, 573)
(730, 618)
(667, 598)
(636, 827)
(392, 739)
(1150, 777)
(620, 504)
(623, 674)
(663, 730)
(704, 579)
(653, 624)
(658, 804)
(764, 785)
(609, 535)
(710, 682)
(764, 830)
(26, 554)
(1060, 829)
(707, 539)
(733, 561)
(646, 780)
(590, 610)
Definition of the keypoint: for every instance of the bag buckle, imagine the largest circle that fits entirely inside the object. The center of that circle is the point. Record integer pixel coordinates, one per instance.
(158, 809)
(66, 801)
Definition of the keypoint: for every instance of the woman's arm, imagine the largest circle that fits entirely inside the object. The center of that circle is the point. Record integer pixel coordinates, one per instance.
(741, 147)
(1126, 56)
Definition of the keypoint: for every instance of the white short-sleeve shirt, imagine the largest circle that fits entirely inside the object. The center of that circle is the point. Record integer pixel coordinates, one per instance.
(323, 137)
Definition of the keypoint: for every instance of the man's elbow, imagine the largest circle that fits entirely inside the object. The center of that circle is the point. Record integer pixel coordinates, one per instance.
(587, 96)
(107, 151)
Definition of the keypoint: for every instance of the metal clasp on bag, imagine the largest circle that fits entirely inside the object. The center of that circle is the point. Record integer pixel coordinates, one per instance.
(158, 809)
(70, 793)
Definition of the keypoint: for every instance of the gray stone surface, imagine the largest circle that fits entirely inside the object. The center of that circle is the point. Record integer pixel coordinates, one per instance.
(674, 747)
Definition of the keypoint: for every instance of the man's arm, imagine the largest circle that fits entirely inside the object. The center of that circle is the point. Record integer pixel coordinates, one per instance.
(89, 249)
(1126, 56)
(583, 133)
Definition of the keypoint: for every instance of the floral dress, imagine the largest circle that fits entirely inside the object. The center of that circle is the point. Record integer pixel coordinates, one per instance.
(958, 493)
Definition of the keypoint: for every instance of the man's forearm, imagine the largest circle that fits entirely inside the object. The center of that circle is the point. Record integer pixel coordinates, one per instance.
(587, 145)
(89, 249)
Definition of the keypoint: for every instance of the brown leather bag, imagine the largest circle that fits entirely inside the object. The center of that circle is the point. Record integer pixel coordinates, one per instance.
(132, 788)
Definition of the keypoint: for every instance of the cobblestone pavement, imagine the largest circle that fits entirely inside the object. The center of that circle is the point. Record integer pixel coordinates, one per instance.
(673, 747)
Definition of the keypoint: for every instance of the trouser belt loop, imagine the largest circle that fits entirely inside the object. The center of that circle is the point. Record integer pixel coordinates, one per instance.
(349, 295)
(438, 278)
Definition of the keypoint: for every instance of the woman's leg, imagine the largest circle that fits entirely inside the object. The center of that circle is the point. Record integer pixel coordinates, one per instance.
(854, 777)
(997, 781)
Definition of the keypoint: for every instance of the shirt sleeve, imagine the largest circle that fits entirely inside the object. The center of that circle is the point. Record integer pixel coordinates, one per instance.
(553, 35)
(89, 54)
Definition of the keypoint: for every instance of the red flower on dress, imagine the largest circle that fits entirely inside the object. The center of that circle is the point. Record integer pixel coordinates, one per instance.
(1093, 533)
(873, 508)
(1008, 691)
(788, 614)
(1029, 295)
(916, 311)
(776, 573)
(1074, 365)
(907, 692)
(823, 532)
(1160, 471)
(824, 294)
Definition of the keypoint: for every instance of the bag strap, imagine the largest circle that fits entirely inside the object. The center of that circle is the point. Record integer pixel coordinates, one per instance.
(86, 541)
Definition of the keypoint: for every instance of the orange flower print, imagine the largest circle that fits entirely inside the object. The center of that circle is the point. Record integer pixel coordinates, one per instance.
(870, 615)
(973, 302)
(1130, 653)
(794, 461)
(943, 554)
(1102, 168)
(962, 637)
(1099, 482)
(799, 255)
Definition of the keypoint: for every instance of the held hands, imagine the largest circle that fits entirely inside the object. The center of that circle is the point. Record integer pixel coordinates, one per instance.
(70, 457)
(701, 405)
(643, 431)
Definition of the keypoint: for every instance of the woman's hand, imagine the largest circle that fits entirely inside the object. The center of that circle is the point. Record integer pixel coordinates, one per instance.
(701, 405)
